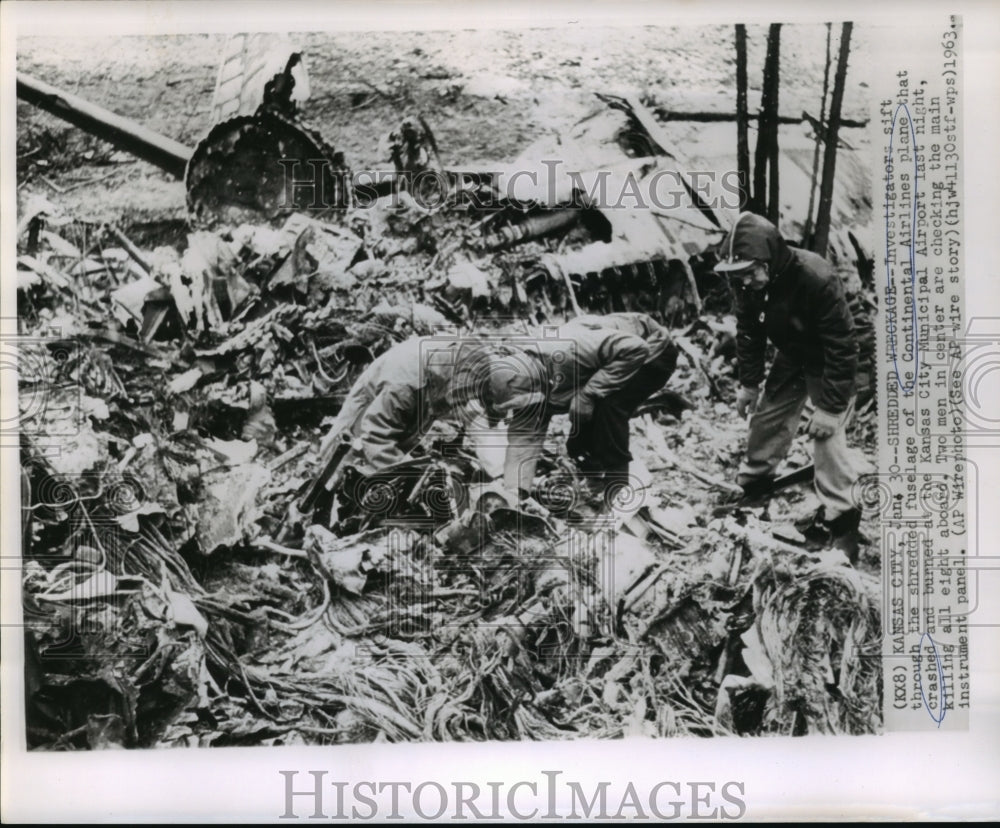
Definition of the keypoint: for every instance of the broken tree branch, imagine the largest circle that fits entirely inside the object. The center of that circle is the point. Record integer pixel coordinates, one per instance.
(134, 253)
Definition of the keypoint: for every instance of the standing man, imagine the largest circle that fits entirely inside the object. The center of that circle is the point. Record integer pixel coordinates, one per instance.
(793, 299)
(598, 371)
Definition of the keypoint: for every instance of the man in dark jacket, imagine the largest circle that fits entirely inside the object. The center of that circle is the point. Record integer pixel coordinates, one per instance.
(598, 371)
(794, 299)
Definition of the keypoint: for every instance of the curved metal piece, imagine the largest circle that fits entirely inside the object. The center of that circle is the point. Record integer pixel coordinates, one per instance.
(260, 167)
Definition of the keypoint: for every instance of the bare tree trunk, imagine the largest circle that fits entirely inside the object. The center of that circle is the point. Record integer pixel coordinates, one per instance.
(807, 230)
(742, 139)
(757, 203)
(767, 123)
(773, 205)
(830, 152)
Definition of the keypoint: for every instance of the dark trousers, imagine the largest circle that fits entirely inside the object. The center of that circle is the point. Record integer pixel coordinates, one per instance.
(603, 440)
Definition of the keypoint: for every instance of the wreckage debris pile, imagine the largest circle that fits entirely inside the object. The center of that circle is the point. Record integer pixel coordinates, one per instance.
(171, 406)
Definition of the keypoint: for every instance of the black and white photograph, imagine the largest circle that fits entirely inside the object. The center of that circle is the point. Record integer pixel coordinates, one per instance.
(472, 384)
(447, 386)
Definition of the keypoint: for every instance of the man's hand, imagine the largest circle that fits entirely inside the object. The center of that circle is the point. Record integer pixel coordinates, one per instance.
(581, 409)
(823, 424)
(746, 400)
(530, 506)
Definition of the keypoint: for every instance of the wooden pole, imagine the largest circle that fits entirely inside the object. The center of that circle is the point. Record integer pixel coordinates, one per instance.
(830, 151)
(742, 138)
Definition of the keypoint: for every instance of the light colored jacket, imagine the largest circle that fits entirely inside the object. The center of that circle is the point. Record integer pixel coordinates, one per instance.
(398, 397)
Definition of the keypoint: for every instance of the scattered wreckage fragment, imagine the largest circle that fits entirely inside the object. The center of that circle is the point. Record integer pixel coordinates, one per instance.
(261, 162)
(625, 259)
(515, 631)
(264, 162)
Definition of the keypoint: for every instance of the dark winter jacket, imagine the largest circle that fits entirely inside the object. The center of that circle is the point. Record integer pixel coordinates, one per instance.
(803, 311)
(656, 337)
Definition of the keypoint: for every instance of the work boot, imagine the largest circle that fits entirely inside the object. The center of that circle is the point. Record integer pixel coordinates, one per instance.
(845, 534)
(841, 533)
(615, 481)
(814, 525)
(754, 493)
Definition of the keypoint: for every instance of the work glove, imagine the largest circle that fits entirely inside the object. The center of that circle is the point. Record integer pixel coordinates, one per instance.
(823, 424)
(581, 409)
(530, 506)
(746, 400)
